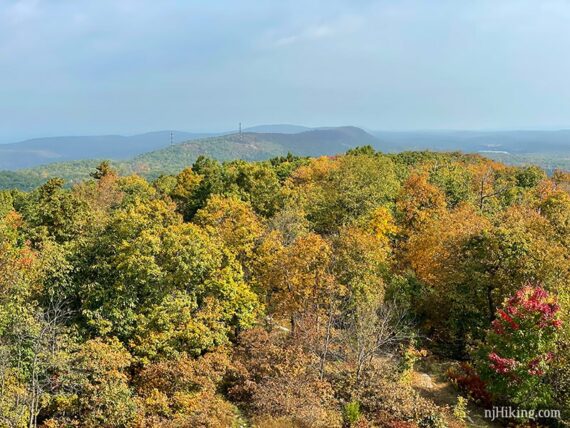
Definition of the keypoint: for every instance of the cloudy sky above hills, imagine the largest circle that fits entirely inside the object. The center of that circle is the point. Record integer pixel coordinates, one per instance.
(126, 66)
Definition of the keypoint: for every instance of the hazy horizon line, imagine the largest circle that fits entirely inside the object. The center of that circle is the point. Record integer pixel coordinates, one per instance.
(38, 136)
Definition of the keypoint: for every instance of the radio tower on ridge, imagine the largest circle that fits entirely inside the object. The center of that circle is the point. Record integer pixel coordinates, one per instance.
(171, 138)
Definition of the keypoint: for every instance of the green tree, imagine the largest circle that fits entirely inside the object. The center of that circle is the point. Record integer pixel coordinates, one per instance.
(233, 222)
(96, 390)
(339, 192)
(55, 212)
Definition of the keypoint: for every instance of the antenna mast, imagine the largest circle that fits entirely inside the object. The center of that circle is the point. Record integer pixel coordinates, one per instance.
(240, 133)
(171, 138)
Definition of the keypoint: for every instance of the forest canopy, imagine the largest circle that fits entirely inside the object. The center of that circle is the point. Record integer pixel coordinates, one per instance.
(293, 292)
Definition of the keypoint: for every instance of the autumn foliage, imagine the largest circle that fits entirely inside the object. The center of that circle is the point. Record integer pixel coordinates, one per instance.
(521, 345)
(294, 292)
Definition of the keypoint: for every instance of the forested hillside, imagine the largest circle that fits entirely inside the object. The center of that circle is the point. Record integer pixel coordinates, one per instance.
(171, 159)
(291, 292)
(150, 155)
(41, 151)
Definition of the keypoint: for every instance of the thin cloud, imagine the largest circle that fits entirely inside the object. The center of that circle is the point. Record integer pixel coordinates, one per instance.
(339, 26)
(21, 11)
(309, 34)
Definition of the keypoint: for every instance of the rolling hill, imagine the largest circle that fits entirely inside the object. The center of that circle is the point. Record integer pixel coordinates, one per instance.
(173, 158)
(253, 146)
(151, 154)
(40, 151)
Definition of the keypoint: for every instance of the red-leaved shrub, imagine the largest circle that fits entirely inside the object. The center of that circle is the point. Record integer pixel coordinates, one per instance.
(467, 379)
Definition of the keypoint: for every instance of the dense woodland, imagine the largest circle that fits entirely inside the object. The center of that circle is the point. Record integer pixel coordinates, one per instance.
(294, 292)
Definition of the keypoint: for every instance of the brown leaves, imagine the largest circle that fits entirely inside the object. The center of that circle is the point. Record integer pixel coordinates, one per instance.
(184, 393)
(278, 379)
(419, 200)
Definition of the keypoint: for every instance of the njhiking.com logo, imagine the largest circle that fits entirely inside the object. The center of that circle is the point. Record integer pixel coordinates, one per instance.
(508, 412)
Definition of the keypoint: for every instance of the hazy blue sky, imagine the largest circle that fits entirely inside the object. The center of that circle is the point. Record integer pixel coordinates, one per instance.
(125, 66)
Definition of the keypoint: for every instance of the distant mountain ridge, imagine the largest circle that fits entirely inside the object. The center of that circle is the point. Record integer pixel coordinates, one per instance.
(253, 146)
(280, 128)
(306, 140)
(169, 159)
(42, 151)
(321, 141)
(39, 151)
(29, 163)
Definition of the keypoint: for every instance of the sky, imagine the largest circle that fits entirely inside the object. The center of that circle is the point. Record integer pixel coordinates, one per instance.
(84, 67)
